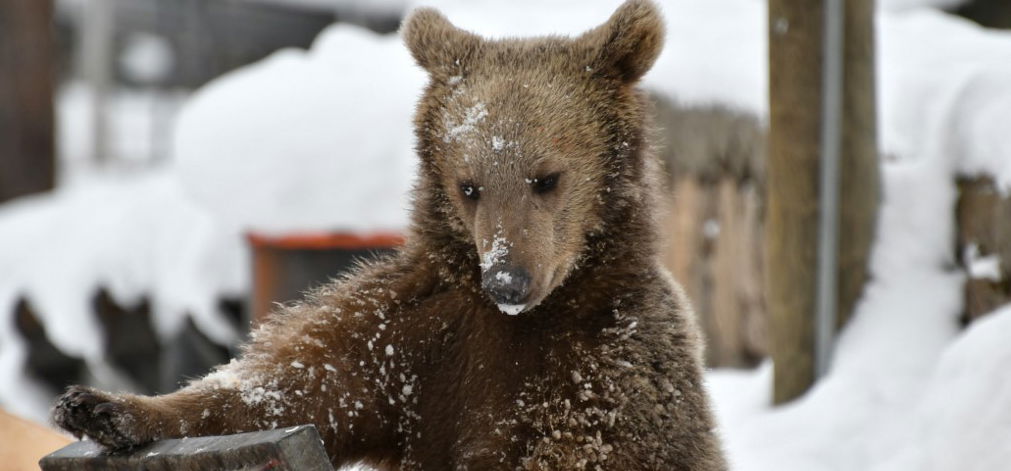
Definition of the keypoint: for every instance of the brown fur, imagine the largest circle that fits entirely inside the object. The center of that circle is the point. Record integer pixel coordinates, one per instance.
(408, 364)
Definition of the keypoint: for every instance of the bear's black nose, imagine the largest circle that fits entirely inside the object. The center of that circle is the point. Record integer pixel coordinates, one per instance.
(506, 285)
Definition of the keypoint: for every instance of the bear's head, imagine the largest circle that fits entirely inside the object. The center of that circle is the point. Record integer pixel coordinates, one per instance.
(529, 146)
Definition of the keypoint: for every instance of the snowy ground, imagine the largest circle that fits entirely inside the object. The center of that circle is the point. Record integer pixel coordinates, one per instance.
(281, 146)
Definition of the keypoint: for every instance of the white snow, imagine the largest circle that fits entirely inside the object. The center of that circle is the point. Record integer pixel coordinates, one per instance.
(980, 267)
(307, 141)
(512, 309)
(943, 88)
(498, 143)
(498, 251)
(950, 414)
(459, 131)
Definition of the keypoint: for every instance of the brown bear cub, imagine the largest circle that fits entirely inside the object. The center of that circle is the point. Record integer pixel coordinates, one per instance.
(526, 324)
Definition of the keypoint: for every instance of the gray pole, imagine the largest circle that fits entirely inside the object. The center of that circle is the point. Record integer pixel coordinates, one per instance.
(828, 216)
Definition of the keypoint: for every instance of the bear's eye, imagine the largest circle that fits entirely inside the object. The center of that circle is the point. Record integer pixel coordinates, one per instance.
(545, 184)
(470, 190)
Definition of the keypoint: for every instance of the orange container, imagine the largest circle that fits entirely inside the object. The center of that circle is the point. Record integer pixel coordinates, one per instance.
(284, 267)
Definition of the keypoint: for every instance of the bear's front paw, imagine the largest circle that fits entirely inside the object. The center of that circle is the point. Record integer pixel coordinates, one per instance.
(102, 417)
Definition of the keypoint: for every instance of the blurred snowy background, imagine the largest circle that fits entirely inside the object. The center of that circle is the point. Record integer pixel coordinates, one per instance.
(183, 126)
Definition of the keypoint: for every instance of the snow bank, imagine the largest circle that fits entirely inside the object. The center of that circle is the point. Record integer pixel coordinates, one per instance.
(134, 236)
(137, 236)
(963, 421)
(951, 414)
(307, 141)
(944, 86)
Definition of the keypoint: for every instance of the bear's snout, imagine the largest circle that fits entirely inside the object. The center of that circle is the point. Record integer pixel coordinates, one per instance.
(507, 285)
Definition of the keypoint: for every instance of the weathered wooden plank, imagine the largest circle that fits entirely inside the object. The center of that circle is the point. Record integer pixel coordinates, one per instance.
(293, 449)
(23, 442)
(723, 228)
(756, 319)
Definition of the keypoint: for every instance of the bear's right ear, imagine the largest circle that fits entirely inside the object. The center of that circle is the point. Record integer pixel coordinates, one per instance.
(628, 44)
(435, 43)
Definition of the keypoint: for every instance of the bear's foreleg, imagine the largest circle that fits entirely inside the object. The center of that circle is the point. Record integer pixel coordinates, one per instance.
(270, 388)
(120, 421)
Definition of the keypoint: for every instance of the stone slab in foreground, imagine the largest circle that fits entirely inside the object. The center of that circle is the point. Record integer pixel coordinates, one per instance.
(292, 449)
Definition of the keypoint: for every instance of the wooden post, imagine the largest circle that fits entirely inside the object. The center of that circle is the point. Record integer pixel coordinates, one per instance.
(795, 94)
(26, 97)
(984, 245)
(795, 45)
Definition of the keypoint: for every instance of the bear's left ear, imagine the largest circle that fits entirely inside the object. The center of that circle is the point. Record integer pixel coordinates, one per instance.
(628, 44)
(435, 43)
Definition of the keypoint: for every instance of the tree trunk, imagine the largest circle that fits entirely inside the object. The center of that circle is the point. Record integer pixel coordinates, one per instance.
(795, 96)
(26, 97)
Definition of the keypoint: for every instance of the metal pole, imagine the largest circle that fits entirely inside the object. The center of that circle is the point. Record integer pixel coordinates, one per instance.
(828, 216)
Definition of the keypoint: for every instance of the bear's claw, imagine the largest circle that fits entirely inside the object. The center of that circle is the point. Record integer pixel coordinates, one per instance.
(84, 411)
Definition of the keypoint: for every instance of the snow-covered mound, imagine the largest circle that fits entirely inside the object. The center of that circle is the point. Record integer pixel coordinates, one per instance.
(135, 237)
(944, 87)
(963, 421)
(307, 141)
(946, 411)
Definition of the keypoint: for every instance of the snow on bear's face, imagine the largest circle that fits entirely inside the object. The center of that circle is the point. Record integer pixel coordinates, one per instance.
(523, 136)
